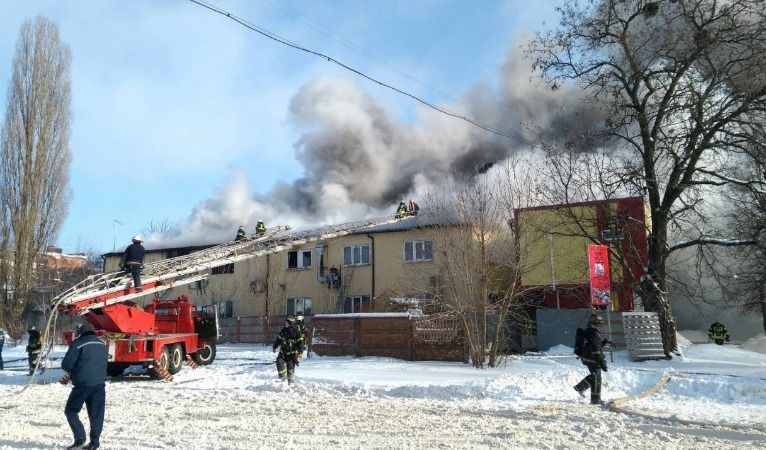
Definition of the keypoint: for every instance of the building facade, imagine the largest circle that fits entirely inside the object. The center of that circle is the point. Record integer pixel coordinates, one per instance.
(553, 242)
(384, 268)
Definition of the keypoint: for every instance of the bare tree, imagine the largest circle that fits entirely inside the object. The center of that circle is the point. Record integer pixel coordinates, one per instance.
(677, 79)
(475, 249)
(34, 160)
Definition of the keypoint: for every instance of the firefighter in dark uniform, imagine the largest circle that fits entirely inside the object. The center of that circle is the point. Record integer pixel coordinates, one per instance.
(593, 357)
(300, 325)
(240, 234)
(2, 342)
(718, 333)
(133, 260)
(34, 346)
(85, 365)
(401, 211)
(290, 346)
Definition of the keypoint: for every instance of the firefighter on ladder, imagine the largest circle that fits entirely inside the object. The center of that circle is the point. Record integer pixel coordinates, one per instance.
(290, 346)
(240, 233)
(133, 260)
(260, 228)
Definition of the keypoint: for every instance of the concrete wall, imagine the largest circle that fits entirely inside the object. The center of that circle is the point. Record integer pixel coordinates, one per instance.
(558, 327)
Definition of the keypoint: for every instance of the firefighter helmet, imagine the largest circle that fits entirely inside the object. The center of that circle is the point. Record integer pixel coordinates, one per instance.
(138, 238)
(299, 318)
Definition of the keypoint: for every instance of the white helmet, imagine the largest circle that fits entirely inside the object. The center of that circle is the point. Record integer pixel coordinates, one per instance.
(299, 318)
(138, 238)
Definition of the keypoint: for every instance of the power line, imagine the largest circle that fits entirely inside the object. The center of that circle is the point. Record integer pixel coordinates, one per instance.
(284, 41)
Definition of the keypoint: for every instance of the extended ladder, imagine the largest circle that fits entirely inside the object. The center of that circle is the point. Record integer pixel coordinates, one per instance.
(97, 291)
(346, 280)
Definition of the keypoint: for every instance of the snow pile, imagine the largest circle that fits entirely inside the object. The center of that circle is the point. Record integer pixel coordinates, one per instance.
(682, 341)
(694, 336)
(755, 344)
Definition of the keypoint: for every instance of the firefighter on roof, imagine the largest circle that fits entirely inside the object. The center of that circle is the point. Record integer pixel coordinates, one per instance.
(401, 211)
(240, 233)
(260, 228)
(290, 346)
(718, 333)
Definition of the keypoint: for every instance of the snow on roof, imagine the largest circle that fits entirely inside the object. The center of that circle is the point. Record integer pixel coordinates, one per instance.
(422, 220)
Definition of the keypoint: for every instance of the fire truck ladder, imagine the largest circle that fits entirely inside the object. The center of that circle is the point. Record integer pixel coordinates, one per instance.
(97, 291)
(344, 287)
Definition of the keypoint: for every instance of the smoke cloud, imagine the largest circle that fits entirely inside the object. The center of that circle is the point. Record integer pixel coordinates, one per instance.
(358, 161)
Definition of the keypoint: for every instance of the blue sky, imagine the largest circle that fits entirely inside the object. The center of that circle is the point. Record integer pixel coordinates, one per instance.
(174, 105)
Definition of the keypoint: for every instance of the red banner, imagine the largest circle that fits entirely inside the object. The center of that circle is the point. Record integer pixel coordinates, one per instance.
(600, 280)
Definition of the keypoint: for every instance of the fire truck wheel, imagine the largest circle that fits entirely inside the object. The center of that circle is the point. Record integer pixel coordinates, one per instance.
(205, 355)
(176, 359)
(163, 360)
(115, 369)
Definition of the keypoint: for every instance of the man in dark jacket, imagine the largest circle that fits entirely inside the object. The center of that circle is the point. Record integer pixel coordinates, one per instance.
(2, 342)
(290, 346)
(593, 357)
(85, 364)
(34, 346)
(133, 261)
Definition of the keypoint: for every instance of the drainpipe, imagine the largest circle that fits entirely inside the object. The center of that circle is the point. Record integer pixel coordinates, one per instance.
(372, 250)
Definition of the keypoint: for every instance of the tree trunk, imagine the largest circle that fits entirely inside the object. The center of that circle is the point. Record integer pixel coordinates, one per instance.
(654, 286)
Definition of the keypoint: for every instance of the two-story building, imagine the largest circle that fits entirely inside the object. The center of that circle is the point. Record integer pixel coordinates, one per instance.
(383, 268)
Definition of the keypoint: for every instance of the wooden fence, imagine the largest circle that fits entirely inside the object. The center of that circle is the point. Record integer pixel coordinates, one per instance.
(250, 330)
(397, 335)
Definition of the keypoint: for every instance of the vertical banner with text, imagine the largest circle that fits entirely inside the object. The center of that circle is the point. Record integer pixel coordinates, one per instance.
(600, 280)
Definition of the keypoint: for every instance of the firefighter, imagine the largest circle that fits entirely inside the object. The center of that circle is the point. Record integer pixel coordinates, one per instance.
(414, 208)
(718, 333)
(2, 341)
(401, 211)
(260, 228)
(240, 233)
(34, 346)
(133, 260)
(592, 356)
(290, 346)
(300, 325)
(85, 365)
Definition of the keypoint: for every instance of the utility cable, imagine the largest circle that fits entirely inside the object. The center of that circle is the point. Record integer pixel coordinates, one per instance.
(330, 59)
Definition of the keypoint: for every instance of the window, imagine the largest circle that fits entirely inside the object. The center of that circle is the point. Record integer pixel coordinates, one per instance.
(299, 259)
(358, 303)
(299, 306)
(418, 250)
(225, 309)
(224, 269)
(356, 255)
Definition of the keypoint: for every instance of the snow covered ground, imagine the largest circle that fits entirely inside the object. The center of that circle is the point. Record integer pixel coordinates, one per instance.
(716, 399)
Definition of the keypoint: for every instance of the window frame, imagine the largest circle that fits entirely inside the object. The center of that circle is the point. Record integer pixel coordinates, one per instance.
(291, 306)
(300, 259)
(354, 251)
(351, 301)
(413, 251)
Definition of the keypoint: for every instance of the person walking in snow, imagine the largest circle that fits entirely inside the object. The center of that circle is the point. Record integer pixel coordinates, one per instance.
(300, 325)
(133, 260)
(85, 364)
(34, 346)
(718, 333)
(2, 342)
(592, 355)
(290, 346)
